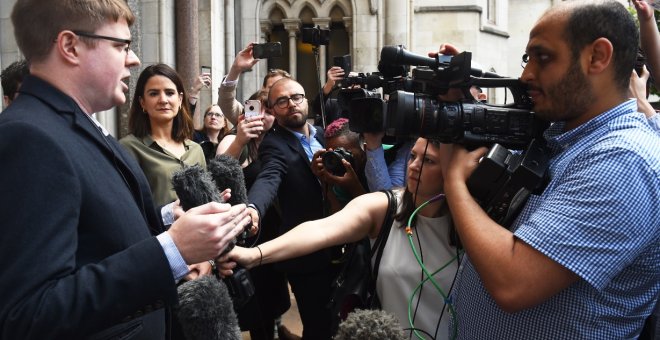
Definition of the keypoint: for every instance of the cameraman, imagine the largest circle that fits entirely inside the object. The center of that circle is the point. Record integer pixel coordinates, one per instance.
(582, 260)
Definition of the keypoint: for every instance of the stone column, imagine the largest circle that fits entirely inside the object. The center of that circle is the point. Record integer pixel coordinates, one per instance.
(292, 26)
(348, 24)
(266, 27)
(187, 40)
(396, 22)
(230, 33)
(324, 24)
(136, 45)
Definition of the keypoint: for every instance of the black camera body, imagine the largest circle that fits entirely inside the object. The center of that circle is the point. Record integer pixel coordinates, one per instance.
(504, 180)
(315, 36)
(240, 287)
(332, 161)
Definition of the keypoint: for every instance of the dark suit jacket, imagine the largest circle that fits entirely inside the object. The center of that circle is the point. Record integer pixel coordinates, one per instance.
(79, 258)
(286, 176)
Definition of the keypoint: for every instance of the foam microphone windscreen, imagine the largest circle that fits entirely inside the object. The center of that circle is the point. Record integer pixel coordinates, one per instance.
(370, 324)
(194, 187)
(226, 171)
(205, 310)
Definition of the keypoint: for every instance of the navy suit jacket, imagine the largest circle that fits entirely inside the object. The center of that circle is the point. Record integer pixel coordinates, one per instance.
(286, 176)
(77, 246)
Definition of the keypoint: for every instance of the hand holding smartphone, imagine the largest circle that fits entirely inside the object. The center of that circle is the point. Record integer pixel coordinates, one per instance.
(267, 50)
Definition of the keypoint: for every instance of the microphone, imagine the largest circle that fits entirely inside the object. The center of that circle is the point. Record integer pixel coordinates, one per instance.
(397, 55)
(227, 172)
(194, 187)
(205, 310)
(370, 324)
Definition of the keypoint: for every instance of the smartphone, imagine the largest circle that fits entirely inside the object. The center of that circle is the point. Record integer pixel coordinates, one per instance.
(267, 50)
(344, 62)
(252, 108)
(205, 69)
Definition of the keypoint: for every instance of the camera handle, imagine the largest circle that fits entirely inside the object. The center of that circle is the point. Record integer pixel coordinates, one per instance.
(315, 49)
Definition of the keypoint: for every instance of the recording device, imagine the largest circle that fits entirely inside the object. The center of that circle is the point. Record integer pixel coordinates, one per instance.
(413, 108)
(370, 324)
(639, 62)
(267, 50)
(252, 108)
(503, 180)
(194, 187)
(205, 310)
(205, 69)
(344, 62)
(332, 161)
(315, 36)
(227, 173)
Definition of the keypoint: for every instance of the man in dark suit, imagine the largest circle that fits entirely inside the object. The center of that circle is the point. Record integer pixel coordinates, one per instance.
(286, 153)
(80, 255)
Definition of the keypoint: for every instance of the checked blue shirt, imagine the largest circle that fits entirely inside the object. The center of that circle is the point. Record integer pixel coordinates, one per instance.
(599, 217)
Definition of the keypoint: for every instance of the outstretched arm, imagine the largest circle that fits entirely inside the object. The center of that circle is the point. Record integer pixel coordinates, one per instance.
(361, 217)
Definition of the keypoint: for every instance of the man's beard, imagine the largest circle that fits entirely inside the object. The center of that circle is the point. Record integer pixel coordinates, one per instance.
(293, 122)
(570, 96)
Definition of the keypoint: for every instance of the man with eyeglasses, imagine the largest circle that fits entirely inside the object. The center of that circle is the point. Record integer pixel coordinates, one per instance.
(287, 178)
(86, 255)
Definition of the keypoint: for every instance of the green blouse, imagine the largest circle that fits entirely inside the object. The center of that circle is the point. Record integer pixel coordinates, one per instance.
(159, 164)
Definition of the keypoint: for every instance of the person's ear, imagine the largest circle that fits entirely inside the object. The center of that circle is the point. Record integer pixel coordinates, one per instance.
(68, 46)
(600, 53)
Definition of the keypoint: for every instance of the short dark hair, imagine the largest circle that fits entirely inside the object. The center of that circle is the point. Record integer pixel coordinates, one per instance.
(590, 21)
(274, 72)
(138, 121)
(38, 22)
(12, 77)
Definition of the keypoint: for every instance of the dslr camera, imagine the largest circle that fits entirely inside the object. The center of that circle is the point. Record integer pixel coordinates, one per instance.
(332, 161)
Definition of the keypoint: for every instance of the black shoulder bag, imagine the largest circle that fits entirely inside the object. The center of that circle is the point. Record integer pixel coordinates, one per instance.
(355, 285)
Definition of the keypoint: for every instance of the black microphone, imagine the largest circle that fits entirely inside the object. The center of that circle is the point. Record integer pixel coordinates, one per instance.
(205, 310)
(227, 173)
(370, 324)
(194, 187)
(397, 55)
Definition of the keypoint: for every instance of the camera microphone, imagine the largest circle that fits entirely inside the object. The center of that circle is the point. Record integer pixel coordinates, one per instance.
(398, 55)
(205, 310)
(370, 324)
(194, 187)
(227, 173)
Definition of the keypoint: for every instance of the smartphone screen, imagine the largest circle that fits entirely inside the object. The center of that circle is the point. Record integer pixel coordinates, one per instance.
(205, 69)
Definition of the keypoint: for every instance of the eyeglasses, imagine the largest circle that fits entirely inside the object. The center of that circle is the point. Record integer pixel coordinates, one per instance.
(214, 114)
(283, 102)
(96, 36)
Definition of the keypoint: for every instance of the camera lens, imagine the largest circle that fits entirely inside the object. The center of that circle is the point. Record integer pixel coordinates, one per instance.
(332, 163)
(251, 108)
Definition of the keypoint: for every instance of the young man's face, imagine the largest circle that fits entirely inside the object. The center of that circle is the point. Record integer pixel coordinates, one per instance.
(557, 82)
(108, 65)
(288, 113)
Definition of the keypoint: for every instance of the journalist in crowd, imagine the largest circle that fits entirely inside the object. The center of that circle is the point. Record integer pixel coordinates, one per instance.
(400, 275)
(90, 257)
(582, 259)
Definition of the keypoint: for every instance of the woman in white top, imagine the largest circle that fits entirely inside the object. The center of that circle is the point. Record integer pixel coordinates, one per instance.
(400, 273)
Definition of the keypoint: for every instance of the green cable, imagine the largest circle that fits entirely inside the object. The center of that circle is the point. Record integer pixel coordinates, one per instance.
(429, 277)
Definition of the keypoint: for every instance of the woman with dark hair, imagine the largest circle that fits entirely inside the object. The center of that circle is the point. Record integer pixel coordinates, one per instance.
(422, 240)
(160, 130)
(216, 126)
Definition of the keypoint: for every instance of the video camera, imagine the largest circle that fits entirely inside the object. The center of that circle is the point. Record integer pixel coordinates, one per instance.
(504, 178)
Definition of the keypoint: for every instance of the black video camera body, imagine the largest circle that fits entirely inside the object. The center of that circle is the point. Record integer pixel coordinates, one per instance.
(504, 180)
(332, 161)
(315, 36)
